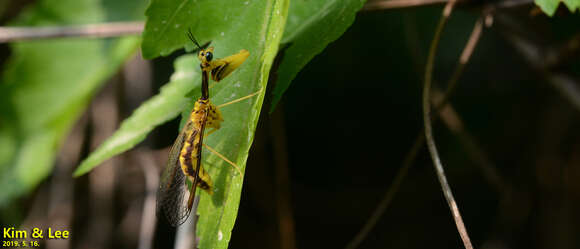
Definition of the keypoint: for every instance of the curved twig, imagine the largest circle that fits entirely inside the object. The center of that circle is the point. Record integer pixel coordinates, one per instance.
(419, 140)
(429, 131)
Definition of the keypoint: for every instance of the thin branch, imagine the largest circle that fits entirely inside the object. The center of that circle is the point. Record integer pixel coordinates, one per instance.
(114, 29)
(463, 59)
(567, 86)
(445, 111)
(396, 4)
(13, 34)
(511, 3)
(454, 123)
(540, 61)
(565, 53)
(429, 132)
(420, 139)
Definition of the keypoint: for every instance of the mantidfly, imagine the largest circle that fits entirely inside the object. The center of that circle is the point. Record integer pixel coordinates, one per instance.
(185, 154)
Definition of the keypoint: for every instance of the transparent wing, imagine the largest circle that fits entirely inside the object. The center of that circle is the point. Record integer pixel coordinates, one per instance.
(171, 195)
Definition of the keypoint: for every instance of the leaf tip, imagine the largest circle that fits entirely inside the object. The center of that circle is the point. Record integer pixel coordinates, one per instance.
(82, 169)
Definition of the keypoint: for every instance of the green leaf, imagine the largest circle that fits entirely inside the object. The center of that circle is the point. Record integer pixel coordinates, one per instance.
(218, 212)
(231, 26)
(572, 5)
(548, 6)
(159, 109)
(312, 25)
(168, 21)
(45, 87)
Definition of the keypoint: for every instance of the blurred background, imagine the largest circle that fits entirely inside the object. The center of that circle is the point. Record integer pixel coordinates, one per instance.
(338, 148)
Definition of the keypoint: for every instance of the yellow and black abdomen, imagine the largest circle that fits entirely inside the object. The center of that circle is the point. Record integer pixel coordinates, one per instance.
(190, 155)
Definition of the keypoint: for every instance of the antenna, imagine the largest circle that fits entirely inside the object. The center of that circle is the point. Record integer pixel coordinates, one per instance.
(190, 35)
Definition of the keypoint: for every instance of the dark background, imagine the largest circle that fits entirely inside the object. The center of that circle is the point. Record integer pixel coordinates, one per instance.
(354, 112)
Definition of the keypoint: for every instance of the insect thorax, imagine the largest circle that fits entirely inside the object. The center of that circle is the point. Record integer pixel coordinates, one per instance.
(214, 117)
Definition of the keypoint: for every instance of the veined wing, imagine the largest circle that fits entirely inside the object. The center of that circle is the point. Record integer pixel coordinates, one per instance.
(171, 200)
(221, 68)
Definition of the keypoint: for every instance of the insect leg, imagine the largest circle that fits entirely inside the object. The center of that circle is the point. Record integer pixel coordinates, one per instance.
(240, 99)
(210, 132)
(212, 150)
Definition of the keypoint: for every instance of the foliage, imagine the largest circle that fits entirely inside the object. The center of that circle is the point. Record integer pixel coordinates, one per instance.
(549, 6)
(312, 25)
(46, 85)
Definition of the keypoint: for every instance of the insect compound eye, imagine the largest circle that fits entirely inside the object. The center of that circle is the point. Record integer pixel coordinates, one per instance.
(208, 56)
